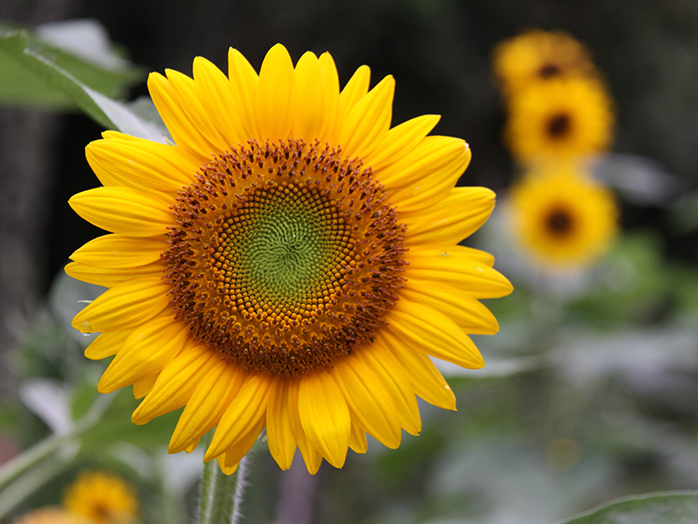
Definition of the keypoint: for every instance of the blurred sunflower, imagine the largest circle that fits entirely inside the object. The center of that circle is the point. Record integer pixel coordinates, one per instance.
(537, 56)
(49, 516)
(563, 219)
(102, 498)
(291, 263)
(560, 121)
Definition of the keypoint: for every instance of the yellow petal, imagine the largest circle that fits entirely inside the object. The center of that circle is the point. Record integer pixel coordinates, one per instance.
(426, 329)
(471, 315)
(208, 402)
(431, 189)
(311, 456)
(456, 267)
(117, 251)
(126, 305)
(401, 140)
(456, 217)
(366, 125)
(146, 352)
(183, 114)
(330, 80)
(324, 416)
(159, 168)
(357, 439)
(111, 277)
(107, 344)
(245, 412)
(225, 469)
(243, 444)
(426, 379)
(311, 118)
(388, 370)
(369, 401)
(213, 90)
(243, 90)
(276, 94)
(123, 210)
(355, 90)
(176, 383)
(434, 154)
(142, 388)
(282, 445)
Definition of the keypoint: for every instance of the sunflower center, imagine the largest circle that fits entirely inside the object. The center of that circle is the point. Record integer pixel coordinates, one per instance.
(559, 222)
(286, 257)
(548, 70)
(559, 125)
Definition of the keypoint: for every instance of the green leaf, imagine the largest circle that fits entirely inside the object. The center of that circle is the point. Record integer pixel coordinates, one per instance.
(33, 69)
(677, 507)
(79, 47)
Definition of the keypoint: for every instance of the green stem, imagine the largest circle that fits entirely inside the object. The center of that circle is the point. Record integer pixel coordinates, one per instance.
(221, 495)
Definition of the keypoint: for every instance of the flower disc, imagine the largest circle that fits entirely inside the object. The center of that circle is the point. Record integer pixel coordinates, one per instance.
(286, 256)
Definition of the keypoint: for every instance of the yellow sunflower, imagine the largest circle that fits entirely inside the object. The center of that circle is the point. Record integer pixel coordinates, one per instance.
(290, 264)
(49, 516)
(102, 498)
(537, 56)
(563, 219)
(559, 121)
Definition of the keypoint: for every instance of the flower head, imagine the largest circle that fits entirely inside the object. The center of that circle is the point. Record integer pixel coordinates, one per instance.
(102, 498)
(560, 121)
(537, 56)
(290, 264)
(563, 219)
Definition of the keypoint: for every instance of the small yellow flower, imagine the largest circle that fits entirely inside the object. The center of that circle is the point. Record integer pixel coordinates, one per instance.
(539, 56)
(560, 121)
(290, 264)
(102, 498)
(563, 219)
(49, 516)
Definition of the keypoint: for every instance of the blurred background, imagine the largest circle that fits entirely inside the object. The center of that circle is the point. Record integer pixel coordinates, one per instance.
(592, 390)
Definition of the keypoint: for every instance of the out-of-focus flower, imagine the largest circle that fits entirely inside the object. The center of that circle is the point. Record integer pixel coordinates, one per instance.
(49, 516)
(563, 219)
(537, 56)
(291, 263)
(102, 498)
(560, 121)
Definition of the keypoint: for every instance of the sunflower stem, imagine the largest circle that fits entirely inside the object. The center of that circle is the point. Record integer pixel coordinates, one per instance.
(221, 495)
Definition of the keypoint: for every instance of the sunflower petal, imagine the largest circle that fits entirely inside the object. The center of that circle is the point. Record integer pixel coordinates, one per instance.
(117, 251)
(369, 401)
(243, 88)
(324, 416)
(330, 80)
(401, 140)
(123, 210)
(456, 217)
(311, 119)
(122, 306)
(311, 456)
(357, 439)
(145, 352)
(106, 344)
(112, 277)
(432, 332)
(246, 411)
(276, 94)
(282, 445)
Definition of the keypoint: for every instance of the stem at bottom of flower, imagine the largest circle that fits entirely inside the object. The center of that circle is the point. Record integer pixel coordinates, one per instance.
(221, 495)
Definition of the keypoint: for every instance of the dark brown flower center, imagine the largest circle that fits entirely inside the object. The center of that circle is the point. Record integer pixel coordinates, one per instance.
(559, 125)
(548, 70)
(559, 222)
(286, 258)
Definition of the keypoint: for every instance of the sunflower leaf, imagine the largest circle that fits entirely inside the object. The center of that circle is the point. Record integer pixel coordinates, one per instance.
(677, 507)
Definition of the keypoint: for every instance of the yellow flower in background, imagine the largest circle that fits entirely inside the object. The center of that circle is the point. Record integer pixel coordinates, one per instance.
(102, 498)
(563, 219)
(560, 121)
(49, 516)
(537, 56)
(290, 264)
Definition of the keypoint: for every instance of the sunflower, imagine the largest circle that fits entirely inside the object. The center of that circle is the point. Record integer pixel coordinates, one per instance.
(102, 498)
(290, 264)
(560, 121)
(563, 219)
(49, 516)
(537, 56)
